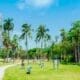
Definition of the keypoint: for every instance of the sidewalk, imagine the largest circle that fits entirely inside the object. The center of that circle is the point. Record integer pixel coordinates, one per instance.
(2, 70)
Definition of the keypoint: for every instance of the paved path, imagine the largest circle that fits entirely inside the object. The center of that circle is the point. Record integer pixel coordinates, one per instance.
(2, 70)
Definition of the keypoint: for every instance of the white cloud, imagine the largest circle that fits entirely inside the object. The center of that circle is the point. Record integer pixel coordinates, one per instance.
(21, 5)
(34, 3)
(39, 3)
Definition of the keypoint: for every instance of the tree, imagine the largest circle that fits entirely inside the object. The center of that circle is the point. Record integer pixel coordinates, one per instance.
(75, 39)
(41, 34)
(64, 44)
(47, 39)
(26, 33)
(8, 25)
(14, 45)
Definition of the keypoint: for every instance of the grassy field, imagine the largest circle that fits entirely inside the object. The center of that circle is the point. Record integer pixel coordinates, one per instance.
(65, 72)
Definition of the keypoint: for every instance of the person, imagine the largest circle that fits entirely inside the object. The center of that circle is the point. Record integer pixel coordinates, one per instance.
(22, 63)
(42, 65)
(56, 63)
(29, 69)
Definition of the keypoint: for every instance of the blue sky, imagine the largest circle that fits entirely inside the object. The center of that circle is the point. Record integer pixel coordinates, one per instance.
(56, 14)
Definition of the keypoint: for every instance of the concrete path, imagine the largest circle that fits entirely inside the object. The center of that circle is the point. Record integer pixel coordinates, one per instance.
(2, 70)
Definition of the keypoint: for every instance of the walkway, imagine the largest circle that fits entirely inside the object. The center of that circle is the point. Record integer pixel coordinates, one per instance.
(2, 70)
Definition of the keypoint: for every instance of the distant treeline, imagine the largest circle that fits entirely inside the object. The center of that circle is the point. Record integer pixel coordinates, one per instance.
(67, 49)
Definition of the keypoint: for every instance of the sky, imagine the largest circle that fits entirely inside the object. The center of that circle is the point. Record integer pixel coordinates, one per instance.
(55, 14)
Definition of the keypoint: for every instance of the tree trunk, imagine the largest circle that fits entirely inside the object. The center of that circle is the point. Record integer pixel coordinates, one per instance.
(41, 48)
(76, 60)
(41, 55)
(61, 57)
(78, 53)
(79, 47)
(64, 56)
(7, 60)
(75, 49)
(13, 57)
(27, 49)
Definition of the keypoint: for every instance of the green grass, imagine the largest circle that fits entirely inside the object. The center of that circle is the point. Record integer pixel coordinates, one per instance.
(65, 72)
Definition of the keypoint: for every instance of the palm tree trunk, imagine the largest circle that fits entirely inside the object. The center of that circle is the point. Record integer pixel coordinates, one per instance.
(76, 55)
(13, 56)
(37, 50)
(27, 49)
(7, 54)
(64, 55)
(8, 48)
(45, 46)
(79, 48)
(75, 50)
(41, 47)
(61, 57)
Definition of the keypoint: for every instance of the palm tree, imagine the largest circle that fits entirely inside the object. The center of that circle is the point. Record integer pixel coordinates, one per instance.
(7, 26)
(14, 45)
(47, 45)
(63, 42)
(78, 44)
(26, 33)
(47, 39)
(76, 38)
(37, 49)
(40, 35)
(63, 34)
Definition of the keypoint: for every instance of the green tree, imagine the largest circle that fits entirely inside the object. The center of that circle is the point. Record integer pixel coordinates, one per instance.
(8, 26)
(14, 45)
(47, 40)
(40, 35)
(75, 39)
(64, 44)
(26, 33)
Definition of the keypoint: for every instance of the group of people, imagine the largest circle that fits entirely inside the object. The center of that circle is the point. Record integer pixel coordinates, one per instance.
(41, 64)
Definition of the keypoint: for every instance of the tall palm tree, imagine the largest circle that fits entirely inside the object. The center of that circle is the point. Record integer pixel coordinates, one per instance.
(26, 33)
(72, 37)
(8, 25)
(40, 35)
(63, 42)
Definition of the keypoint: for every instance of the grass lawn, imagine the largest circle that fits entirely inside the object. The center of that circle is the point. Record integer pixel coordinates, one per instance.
(65, 72)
